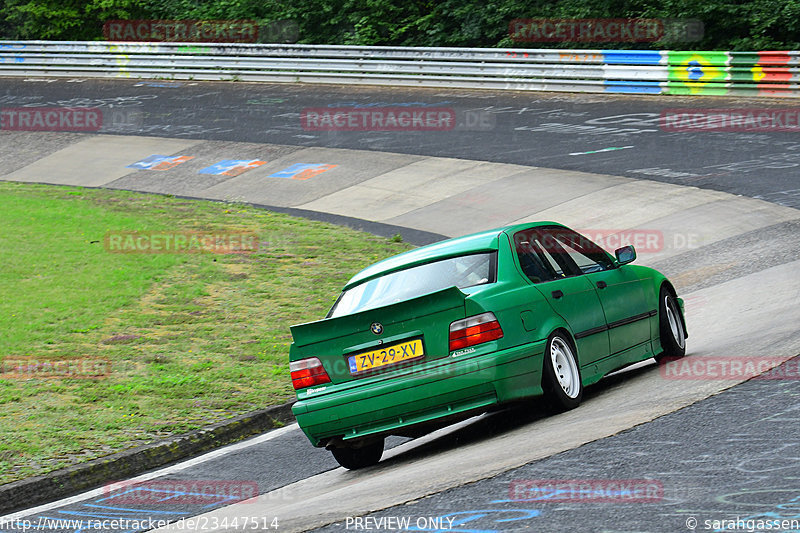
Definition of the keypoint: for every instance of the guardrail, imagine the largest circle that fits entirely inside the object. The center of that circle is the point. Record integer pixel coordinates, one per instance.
(767, 73)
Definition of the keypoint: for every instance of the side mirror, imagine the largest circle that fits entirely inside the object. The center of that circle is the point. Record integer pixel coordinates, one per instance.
(625, 255)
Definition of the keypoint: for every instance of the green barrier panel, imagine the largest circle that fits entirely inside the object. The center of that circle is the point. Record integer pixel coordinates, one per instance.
(773, 58)
(730, 89)
(761, 74)
(693, 89)
(704, 57)
(696, 70)
(744, 59)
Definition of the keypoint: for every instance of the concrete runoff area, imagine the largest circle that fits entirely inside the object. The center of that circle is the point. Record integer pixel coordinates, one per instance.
(739, 316)
(352, 167)
(411, 187)
(529, 190)
(96, 160)
(439, 195)
(187, 175)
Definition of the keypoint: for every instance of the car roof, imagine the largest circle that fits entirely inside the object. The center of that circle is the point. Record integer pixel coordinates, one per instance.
(484, 241)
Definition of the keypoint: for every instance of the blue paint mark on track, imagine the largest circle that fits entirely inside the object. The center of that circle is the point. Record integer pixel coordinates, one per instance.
(231, 167)
(302, 170)
(159, 162)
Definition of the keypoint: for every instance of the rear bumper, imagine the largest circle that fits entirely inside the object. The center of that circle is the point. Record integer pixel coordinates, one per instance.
(459, 385)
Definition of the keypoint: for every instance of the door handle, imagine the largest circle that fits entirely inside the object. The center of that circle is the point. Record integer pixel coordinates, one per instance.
(601, 285)
(557, 294)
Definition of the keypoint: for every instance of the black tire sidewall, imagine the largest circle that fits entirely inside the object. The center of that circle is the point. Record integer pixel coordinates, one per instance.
(556, 399)
(668, 345)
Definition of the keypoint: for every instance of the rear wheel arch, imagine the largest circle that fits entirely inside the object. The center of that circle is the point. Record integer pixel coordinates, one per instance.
(569, 337)
(551, 323)
(564, 392)
(572, 342)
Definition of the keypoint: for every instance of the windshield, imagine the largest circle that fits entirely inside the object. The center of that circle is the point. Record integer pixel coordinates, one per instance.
(463, 271)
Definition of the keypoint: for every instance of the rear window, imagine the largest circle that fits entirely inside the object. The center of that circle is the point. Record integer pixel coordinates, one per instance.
(463, 271)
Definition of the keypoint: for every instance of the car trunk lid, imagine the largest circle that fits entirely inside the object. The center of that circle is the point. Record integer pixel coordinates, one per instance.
(381, 340)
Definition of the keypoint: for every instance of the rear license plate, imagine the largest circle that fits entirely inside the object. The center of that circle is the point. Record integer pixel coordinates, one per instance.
(389, 355)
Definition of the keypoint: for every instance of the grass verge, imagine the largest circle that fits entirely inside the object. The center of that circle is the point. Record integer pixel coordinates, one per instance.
(191, 338)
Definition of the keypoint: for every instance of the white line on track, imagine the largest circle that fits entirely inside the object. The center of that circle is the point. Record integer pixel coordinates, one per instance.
(610, 149)
(156, 474)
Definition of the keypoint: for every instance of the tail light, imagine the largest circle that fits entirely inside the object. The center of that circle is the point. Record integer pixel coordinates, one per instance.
(474, 330)
(308, 372)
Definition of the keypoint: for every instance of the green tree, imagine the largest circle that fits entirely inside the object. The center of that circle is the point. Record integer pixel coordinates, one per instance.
(729, 24)
(68, 20)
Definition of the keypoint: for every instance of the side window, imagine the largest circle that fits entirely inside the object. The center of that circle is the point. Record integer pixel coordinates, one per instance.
(586, 255)
(559, 269)
(536, 264)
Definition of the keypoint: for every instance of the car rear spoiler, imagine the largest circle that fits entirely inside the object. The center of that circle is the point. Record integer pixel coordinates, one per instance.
(333, 328)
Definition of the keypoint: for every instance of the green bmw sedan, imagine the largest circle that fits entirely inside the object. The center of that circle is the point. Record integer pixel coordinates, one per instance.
(449, 330)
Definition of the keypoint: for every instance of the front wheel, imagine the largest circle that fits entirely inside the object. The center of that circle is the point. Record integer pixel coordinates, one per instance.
(561, 380)
(671, 330)
(362, 457)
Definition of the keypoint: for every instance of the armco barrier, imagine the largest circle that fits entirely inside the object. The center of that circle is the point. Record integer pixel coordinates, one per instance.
(768, 73)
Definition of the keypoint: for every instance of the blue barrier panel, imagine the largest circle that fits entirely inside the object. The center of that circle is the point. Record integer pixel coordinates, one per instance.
(640, 87)
(632, 57)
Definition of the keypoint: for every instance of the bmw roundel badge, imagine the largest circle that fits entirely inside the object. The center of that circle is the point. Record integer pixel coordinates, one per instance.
(376, 328)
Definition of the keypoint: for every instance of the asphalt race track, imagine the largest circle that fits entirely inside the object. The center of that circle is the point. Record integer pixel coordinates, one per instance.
(702, 465)
(547, 130)
(722, 209)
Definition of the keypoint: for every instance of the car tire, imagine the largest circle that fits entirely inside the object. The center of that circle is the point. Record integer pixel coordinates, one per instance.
(671, 328)
(354, 458)
(561, 379)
